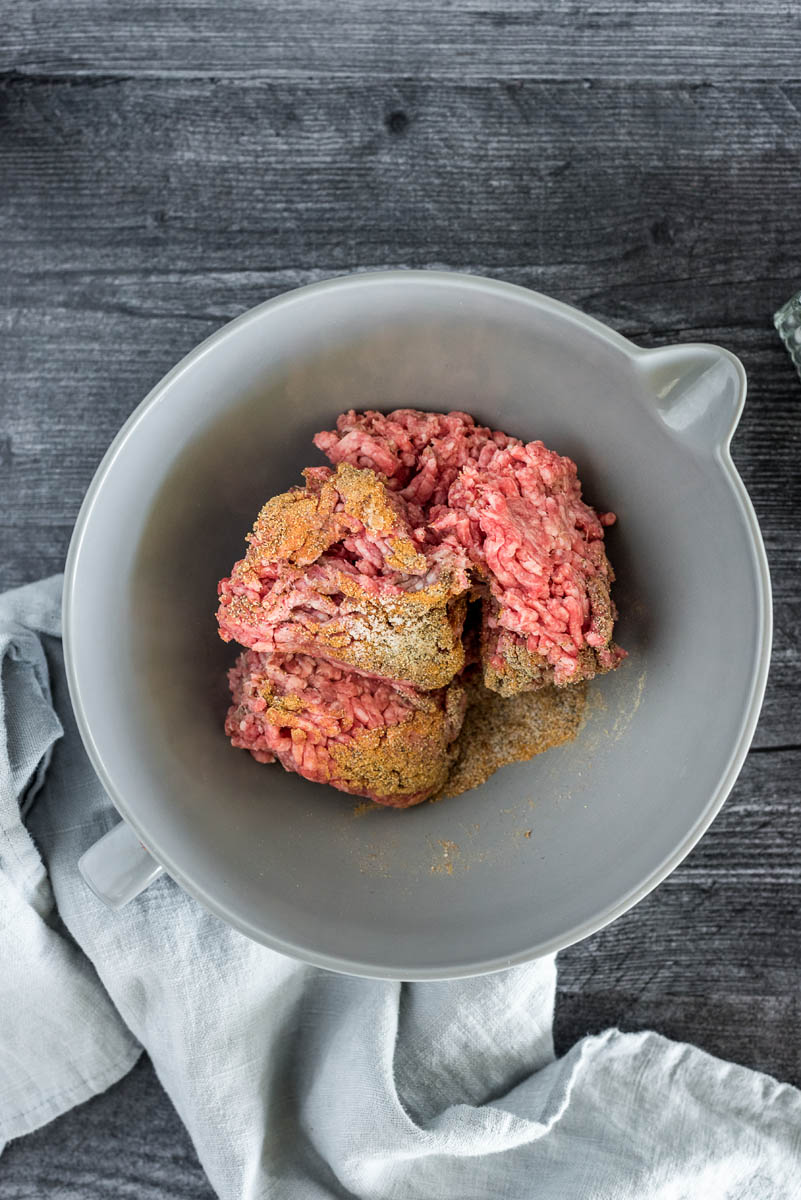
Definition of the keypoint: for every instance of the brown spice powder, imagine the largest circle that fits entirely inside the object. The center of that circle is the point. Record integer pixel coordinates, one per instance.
(300, 525)
(498, 730)
(400, 760)
(296, 526)
(413, 637)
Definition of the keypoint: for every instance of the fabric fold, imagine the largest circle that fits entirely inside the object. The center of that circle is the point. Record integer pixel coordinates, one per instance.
(62, 1040)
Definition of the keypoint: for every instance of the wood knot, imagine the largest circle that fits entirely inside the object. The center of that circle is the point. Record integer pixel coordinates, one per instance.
(397, 121)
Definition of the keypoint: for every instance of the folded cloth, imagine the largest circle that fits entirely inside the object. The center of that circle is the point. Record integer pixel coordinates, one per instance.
(299, 1084)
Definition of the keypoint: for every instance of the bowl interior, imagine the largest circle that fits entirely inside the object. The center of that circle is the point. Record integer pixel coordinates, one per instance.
(456, 886)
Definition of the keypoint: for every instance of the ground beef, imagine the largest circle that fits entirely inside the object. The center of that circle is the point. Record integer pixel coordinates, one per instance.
(419, 453)
(394, 745)
(338, 569)
(535, 548)
(432, 544)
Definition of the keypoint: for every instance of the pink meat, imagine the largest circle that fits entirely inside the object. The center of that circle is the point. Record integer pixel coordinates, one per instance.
(516, 511)
(419, 453)
(365, 736)
(339, 569)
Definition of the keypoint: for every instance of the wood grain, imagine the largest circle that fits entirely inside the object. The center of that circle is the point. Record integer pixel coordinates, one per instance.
(619, 190)
(165, 167)
(126, 1144)
(463, 39)
(716, 945)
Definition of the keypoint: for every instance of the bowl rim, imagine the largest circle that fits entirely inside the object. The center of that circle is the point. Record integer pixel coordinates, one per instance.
(637, 355)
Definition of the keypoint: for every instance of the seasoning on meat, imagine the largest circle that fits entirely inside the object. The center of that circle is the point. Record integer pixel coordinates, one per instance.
(516, 510)
(337, 570)
(437, 555)
(392, 744)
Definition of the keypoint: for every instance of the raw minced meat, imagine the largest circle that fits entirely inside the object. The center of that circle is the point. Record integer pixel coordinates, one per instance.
(337, 570)
(432, 542)
(419, 453)
(369, 737)
(535, 548)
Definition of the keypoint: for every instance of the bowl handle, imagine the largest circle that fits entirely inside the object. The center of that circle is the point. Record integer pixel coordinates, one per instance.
(118, 867)
(699, 390)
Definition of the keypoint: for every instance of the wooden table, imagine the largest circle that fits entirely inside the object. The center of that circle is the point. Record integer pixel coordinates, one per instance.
(165, 166)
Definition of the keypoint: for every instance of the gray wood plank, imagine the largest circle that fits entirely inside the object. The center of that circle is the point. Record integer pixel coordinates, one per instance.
(464, 39)
(634, 191)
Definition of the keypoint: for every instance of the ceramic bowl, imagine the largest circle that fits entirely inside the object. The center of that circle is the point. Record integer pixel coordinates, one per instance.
(544, 853)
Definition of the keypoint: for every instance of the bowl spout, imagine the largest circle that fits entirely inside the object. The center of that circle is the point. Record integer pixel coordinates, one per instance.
(699, 390)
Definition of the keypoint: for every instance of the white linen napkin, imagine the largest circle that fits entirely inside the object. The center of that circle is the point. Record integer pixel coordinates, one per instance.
(296, 1083)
